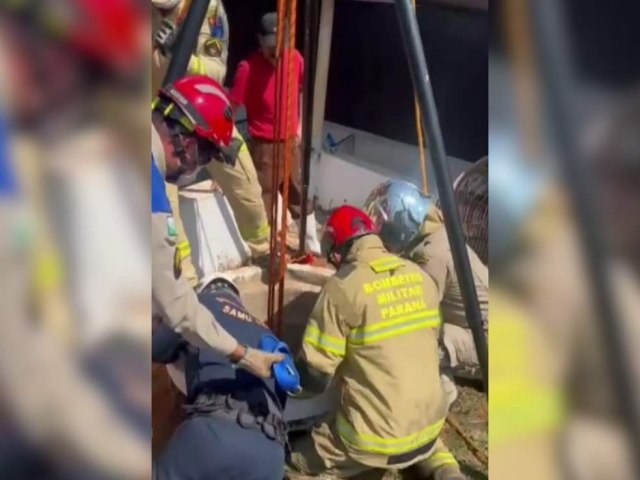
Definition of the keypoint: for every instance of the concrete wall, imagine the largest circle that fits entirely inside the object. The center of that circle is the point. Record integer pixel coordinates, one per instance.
(346, 176)
(358, 165)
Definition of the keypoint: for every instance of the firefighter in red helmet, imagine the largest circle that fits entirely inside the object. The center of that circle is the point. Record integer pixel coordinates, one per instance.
(239, 182)
(191, 126)
(375, 326)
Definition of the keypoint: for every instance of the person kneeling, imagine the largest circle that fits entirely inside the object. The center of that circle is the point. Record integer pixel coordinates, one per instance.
(234, 426)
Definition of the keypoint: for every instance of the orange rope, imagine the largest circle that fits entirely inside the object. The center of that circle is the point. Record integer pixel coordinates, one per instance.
(285, 63)
(288, 154)
(275, 176)
(421, 146)
(420, 132)
(521, 51)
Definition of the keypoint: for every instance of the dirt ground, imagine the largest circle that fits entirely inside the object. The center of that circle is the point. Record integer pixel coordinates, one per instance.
(469, 411)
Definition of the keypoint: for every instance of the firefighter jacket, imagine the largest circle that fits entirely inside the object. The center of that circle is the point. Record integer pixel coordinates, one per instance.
(375, 326)
(173, 299)
(527, 403)
(210, 55)
(433, 254)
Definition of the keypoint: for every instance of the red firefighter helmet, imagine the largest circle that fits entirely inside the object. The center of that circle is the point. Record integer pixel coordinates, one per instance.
(205, 104)
(110, 31)
(345, 224)
(107, 32)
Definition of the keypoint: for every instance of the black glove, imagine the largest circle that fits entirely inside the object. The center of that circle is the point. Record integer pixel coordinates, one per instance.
(165, 37)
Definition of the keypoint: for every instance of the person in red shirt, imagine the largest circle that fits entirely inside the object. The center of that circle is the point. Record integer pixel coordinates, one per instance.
(255, 87)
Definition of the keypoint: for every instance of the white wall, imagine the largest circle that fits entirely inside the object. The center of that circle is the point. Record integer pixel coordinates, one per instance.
(349, 175)
(336, 179)
(216, 245)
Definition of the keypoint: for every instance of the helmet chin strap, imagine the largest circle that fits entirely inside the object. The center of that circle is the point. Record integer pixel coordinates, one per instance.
(180, 152)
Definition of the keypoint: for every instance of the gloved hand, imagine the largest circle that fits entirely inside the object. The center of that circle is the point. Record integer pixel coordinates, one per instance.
(258, 362)
(165, 37)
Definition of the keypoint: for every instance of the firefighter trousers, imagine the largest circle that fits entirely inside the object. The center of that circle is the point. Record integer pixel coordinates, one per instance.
(240, 186)
(323, 455)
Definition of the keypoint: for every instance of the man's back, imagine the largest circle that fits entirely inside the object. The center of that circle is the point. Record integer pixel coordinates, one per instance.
(213, 371)
(235, 426)
(433, 254)
(386, 309)
(207, 370)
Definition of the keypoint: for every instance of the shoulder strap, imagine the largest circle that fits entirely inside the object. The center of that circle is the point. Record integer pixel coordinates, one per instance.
(386, 264)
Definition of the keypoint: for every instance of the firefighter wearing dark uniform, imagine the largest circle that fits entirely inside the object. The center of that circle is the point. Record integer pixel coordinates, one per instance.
(234, 427)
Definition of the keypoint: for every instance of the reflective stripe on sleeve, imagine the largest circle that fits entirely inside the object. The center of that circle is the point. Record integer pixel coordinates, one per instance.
(185, 249)
(313, 336)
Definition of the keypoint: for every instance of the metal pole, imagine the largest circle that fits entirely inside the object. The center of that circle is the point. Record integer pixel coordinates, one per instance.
(186, 42)
(558, 82)
(310, 50)
(422, 86)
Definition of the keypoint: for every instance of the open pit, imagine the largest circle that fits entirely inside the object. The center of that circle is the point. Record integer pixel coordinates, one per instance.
(301, 288)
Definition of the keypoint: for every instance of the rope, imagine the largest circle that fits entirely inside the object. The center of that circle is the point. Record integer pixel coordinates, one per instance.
(473, 448)
(421, 146)
(275, 184)
(289, 152)
(283, 156)
(521, 50)
(420, 132)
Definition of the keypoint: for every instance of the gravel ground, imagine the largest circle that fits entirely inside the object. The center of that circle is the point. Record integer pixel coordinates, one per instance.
(470, 412)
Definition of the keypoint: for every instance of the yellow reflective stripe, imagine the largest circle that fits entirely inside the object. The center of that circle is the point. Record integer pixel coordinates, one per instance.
(197, 67)
(253, 235)
(313, 336)
(48, 271)
(185, 249)
(524, 400)
(214, 42)
(385, 264)
(387, 446)
(441, 459)
(524, 411)
(396, 327)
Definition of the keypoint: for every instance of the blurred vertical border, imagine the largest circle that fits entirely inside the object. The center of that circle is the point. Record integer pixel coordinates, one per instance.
(563, 236)
(75, 372)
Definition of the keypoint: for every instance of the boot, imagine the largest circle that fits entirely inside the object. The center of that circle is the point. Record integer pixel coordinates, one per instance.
(311, 242)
